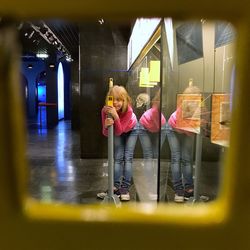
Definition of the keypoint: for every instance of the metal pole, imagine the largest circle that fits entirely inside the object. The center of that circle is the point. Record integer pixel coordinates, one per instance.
(111, 197)
(198, 153)
(110, 160)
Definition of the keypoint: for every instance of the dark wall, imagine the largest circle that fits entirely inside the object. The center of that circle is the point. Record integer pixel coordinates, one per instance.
(75, 95)
(31, 75)
(24, 89)
(103, 55)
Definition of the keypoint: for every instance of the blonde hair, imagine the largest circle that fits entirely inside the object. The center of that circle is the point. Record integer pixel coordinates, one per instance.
(121, 93)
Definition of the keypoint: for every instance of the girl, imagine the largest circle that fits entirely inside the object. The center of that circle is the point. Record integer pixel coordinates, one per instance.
(181, 146)
(149, 128)
(121, 115)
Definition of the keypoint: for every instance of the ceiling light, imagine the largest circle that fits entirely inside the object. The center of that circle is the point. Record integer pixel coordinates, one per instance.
(68, 58)
(42, 55)
(31, 34)
(101, 21)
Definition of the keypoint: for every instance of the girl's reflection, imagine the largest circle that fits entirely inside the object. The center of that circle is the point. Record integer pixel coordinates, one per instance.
(149, 126)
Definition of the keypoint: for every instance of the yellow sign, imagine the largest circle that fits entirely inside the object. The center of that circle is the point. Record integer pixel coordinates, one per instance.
(144, 78)
(154, 73)
(110, 100)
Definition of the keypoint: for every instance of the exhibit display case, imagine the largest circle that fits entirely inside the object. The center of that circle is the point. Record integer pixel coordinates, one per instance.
(176, 56)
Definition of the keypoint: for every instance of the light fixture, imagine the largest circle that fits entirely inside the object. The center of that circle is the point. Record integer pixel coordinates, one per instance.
(101, 21)
(68, 58)
(30, 66)
(31, 34)
(52, 65)
(50, 37)
(42, 55)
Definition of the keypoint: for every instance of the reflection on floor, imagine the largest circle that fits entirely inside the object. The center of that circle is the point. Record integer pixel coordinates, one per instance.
(58, 174)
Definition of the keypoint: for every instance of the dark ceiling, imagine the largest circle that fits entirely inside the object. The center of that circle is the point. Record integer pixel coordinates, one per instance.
(62, 38)
(49, 37)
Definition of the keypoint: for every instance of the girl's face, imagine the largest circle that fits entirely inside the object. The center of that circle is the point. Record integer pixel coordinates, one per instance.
(118, 103)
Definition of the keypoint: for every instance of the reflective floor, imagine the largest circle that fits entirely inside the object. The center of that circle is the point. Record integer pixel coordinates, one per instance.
(57, 174)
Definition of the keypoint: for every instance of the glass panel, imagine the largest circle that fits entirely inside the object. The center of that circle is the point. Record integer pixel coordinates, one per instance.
(197, 101)
(145, 88)
(189, 41)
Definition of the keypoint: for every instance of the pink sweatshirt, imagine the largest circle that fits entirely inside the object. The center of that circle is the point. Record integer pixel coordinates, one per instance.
(172, 122)
(150, 119)
(124, 124)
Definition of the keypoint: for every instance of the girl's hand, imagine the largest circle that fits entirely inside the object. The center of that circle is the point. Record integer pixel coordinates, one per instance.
(108, 122)
(112, 111)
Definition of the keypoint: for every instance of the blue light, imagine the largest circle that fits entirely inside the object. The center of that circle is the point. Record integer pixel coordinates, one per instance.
(60, 87)
(41, 92)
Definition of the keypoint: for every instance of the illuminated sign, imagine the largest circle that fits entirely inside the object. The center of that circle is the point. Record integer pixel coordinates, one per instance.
(60, 93)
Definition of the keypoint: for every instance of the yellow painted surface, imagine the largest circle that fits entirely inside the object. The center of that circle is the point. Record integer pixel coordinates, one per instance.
(28, 225)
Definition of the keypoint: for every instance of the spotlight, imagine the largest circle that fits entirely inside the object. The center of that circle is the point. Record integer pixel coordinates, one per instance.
(69, 58)
(31, 34)
(42, 55)
(51, 38)
(101, 21)
(59, 47)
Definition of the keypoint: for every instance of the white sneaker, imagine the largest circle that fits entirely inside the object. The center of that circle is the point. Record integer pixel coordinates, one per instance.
(124, 191)
(102, 195)
(178, 198)
(125, 197)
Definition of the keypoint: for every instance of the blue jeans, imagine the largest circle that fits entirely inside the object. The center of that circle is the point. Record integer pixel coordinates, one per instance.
(181, 146)
(150, 141)
(150, 148)
(124, 146)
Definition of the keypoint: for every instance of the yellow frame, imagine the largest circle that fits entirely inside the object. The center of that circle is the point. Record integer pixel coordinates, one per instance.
(28, 224)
